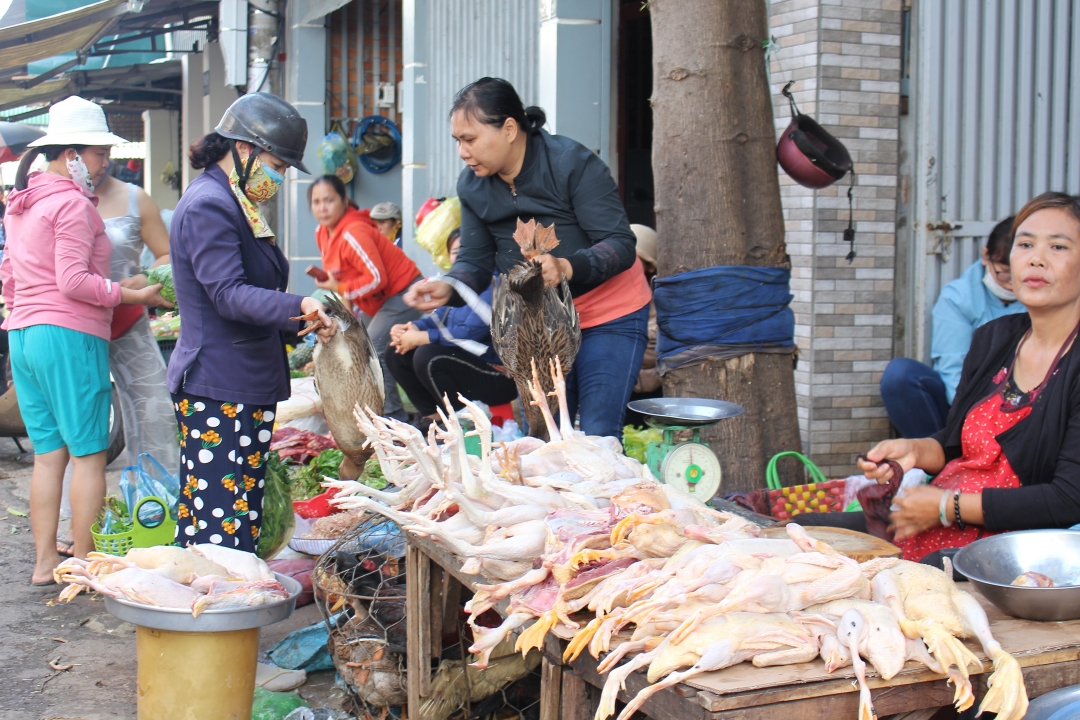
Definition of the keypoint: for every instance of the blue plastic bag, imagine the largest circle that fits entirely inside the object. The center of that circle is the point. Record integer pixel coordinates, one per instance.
(148, 478)
(304, 649)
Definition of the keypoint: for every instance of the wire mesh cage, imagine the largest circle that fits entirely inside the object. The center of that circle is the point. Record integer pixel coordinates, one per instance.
(360, 591)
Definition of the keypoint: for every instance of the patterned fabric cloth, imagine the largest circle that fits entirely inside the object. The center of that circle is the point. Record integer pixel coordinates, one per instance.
(223, 448)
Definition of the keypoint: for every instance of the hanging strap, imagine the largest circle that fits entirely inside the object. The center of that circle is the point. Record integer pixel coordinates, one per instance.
(772, 479)
(786, 92)
(849, 232)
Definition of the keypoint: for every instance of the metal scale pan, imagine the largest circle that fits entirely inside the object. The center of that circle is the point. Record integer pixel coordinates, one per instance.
(686, 412)
(690, 466)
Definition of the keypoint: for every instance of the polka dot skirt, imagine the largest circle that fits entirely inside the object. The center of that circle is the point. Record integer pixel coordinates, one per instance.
(223, 449)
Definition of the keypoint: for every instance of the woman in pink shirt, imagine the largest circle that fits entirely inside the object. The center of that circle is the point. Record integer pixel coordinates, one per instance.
(56, 286)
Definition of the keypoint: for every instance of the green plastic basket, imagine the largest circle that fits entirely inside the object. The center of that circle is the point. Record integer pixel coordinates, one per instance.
(143, 534)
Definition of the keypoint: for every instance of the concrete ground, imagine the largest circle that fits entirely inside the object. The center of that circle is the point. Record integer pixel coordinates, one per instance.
(36, 630)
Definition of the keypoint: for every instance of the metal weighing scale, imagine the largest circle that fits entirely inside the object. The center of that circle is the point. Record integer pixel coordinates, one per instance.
(691, 465)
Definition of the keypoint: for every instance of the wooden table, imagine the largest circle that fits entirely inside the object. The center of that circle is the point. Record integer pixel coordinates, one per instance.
(1048, 652)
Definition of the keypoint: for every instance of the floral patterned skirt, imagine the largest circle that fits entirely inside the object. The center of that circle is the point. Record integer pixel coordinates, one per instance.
(223, 449)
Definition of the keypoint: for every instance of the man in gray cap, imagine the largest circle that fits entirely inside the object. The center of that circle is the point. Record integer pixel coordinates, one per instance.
(387, 217)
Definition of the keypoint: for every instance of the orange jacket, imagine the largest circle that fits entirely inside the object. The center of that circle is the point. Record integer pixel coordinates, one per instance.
(368, 267)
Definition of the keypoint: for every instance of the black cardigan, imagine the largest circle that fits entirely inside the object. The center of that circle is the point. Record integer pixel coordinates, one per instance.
(1043, 449)
(561, 182)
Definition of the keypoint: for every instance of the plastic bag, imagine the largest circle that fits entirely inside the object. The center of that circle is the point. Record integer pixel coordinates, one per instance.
(277, 511)
(305, 649)
(437, 226)
(275, 705)
(337, 155)
(149, 479)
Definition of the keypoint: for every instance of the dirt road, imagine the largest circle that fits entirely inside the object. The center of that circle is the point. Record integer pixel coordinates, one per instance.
(35, 630)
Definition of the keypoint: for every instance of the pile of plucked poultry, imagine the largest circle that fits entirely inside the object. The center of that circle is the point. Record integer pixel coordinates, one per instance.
(572, 526)
(196, 578)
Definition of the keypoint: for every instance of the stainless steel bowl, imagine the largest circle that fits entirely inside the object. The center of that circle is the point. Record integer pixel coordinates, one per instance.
(687, 412)
(223, 620)
(992, 563)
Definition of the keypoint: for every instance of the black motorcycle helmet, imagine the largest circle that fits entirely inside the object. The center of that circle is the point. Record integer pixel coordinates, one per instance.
(270, 124)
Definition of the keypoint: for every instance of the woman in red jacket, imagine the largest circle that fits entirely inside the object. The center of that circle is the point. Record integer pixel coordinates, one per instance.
(365, 268)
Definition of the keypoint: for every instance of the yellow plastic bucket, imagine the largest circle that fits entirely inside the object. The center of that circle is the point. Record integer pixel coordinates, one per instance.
(196, 676)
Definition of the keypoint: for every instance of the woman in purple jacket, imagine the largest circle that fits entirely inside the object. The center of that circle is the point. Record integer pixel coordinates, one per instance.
(229, 369)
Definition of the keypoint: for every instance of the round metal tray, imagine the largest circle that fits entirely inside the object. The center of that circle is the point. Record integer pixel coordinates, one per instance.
(224, 620)
(687, 412)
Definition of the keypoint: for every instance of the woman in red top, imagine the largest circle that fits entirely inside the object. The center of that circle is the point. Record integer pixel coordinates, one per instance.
(1008, 456)
(364, 267)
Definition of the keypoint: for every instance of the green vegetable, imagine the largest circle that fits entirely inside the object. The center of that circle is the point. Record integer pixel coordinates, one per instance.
(162, 274)
(305, 481)
(301, 356)
(113, 517)
(277, 516)
(636, 441)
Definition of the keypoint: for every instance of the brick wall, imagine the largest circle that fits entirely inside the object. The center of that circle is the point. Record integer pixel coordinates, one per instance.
(344, 101)
(845, 58)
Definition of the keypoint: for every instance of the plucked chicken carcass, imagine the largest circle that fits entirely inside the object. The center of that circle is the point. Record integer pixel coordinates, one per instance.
(532, 322)
(348, 375)
(173, 577)
(175, 563)
(931, 607)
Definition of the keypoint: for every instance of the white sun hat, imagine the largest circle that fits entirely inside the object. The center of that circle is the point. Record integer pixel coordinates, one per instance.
(76, 121)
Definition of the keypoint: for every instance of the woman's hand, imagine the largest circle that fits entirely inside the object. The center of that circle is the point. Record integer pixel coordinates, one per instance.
(330, 284)
(902, 451)
(410, 340)
(149, 295)
(924, 453)
(555, 269)
(426, 295)
(328, 327)
(135, 282)
(917, 511)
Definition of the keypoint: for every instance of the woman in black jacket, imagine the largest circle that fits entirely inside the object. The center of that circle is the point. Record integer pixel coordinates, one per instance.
(515, 170)
(1009, 455)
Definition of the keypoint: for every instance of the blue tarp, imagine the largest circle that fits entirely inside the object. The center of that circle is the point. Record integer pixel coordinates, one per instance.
(723, 308)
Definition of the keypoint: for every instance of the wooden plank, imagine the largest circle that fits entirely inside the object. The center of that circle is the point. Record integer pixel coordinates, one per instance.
(447, 561)
(550, 690)
(665, 705)
(451, 600)
(578, 699)
(417, 624)
(856, 545)
(435, 601)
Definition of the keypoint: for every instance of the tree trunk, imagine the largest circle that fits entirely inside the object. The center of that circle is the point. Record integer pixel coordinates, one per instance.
(718, 203)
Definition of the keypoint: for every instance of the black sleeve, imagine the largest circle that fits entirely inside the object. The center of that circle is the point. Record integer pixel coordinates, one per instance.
(1054, 504)
(476, 256)
(601, 214)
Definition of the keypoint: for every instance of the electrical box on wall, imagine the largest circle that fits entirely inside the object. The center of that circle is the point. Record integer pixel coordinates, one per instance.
(233, 36)
(384, 98)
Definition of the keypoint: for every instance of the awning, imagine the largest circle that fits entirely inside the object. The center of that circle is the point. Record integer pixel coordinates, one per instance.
(321, 8)
(13, 95)
(67, 32)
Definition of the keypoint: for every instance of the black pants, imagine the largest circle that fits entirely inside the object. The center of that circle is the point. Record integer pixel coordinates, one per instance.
(430, 371)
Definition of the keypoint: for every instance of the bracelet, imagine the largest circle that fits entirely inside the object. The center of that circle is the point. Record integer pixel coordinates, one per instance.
(956, 506)
(945, 521)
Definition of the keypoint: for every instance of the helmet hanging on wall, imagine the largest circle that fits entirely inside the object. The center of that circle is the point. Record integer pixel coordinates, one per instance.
(377, 142)
(808, 153)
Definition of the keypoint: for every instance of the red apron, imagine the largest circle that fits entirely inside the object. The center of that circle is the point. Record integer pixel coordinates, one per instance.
(982, 465)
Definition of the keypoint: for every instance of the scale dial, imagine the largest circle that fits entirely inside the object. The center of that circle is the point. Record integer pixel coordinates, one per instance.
(693, 468)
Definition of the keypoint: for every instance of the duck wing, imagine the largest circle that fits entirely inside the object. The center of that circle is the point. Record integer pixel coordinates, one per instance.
(506, 308)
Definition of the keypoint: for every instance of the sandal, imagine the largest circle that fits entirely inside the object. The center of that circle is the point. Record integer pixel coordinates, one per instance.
(63, 548)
